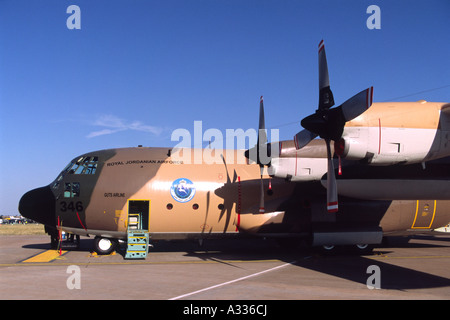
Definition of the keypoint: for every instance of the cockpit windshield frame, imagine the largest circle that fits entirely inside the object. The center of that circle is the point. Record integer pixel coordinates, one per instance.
(85, 165)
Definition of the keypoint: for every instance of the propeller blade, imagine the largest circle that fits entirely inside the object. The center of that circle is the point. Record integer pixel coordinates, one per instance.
(332, 197)
(261, 198)
(357, 104)
(262, 150)
(262, 134)
(260, 153)
(302, 138)
(326, 99)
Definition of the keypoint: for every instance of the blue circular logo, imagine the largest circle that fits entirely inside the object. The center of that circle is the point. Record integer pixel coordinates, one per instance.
(182, 190)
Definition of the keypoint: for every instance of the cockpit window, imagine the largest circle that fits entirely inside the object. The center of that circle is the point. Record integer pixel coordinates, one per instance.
(84, 165)
(61, 175)
(72, 190)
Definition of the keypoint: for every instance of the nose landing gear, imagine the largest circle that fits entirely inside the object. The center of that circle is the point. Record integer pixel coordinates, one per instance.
(72, 241)
(104, 246)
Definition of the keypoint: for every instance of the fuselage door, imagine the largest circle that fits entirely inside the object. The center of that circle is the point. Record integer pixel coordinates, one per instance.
(138, 214)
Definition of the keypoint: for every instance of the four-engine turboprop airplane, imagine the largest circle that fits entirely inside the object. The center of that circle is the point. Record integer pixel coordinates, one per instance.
(393, 177)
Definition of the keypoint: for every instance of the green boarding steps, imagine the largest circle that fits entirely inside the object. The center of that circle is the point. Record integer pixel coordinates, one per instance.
(137, 244)
(137, 239)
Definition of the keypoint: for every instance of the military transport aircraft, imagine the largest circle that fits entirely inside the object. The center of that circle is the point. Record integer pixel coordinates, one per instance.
(392, 178)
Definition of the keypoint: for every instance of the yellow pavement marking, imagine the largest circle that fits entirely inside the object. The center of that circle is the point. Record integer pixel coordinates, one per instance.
(45, 256)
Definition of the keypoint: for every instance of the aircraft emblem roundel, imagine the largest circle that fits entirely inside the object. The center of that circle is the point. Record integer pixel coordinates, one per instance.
(182, 190)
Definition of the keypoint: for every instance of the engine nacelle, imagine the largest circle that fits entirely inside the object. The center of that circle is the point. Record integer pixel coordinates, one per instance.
(298, 169)
(392, 133)
(387, 146)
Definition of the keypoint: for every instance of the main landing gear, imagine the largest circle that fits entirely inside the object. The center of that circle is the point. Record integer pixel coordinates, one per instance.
(359, 249)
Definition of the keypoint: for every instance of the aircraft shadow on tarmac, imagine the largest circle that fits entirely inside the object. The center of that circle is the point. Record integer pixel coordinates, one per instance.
(343, 265)
(346, 266)
(391, 276)
(85, 245)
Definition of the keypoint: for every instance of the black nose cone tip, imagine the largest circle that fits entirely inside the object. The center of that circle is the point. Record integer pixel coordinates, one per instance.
(39, 205)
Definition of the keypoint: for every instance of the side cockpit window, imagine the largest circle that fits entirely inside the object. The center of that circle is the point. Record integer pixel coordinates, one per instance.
(61, 175)
(72, 190)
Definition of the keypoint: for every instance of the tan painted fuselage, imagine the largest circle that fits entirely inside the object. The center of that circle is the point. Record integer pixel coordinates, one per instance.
(225, 197)
(201, 193)
(226, 201)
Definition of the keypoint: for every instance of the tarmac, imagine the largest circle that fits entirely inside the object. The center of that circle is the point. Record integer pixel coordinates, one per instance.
(234, 270)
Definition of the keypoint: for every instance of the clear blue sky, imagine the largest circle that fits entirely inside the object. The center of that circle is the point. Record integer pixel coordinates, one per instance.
(137, 70)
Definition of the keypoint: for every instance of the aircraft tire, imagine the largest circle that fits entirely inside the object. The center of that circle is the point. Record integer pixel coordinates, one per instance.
(328, 249)
(104, 246)
(54, 237)
(54, 242)
(363, 248)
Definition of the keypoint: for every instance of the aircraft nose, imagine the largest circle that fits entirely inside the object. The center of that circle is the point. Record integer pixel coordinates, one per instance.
(39, 205)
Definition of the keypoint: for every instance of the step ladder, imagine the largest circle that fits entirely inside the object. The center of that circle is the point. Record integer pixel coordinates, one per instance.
(137, 244)
(137, 239)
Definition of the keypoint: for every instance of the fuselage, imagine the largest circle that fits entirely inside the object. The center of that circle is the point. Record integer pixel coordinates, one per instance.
(98, 191)
(391, 183)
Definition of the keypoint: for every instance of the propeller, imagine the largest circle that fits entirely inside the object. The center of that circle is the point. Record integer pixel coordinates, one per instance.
(261, 152)
(328, 123)
(261, 144)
